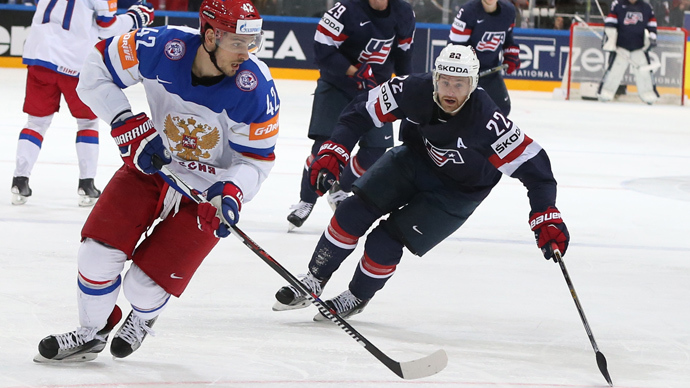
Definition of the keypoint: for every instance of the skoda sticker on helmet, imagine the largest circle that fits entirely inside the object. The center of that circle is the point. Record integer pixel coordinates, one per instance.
(246, 81)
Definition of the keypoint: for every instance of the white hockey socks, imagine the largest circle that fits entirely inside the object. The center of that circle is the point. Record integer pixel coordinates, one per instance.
(147, 298)
(87, 147)
(29, 144)
(99, 282)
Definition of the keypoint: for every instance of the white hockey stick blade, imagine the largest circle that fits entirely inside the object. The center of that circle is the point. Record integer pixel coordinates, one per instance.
(424, 367)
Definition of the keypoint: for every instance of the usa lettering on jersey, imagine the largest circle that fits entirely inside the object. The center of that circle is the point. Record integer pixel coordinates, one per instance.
(491, 40)
(376, 51)
(633, 18)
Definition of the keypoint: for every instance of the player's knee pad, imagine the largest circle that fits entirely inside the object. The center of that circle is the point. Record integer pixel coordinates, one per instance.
(144, 294)
(613, 76)
(356, 216)
(382, 249)
(83, 124)
(99, 262)
(39, 124)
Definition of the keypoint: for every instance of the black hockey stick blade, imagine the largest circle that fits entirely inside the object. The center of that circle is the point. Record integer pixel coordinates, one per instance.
(601, 360)
(409, 370)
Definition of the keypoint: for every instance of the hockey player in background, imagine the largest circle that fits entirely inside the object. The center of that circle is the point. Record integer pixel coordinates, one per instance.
(54, 53)
(487, 25)
(456, 145)
(629, 34)
(358, 44)
(214, 114)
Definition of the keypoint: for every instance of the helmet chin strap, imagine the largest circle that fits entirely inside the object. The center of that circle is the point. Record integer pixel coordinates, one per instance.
(212, 55)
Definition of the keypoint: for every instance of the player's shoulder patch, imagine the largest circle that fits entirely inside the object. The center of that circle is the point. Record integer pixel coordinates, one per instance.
(175, 49)
(246, 80)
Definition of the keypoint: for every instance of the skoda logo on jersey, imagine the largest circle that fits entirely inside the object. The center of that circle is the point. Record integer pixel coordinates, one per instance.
(246, 81)
(175, 49)
(491, 40)
(441, 156)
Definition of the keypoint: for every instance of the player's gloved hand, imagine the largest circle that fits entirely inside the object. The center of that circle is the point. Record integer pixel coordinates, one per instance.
(142, 14)
(364, 77)
(548, 227)
(652, 41)
(139, 142)
(327, 166)
(511, 57)
(222, 210)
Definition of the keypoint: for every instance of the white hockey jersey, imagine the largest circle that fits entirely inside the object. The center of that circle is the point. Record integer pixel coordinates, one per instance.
(222, 132)
(62, 30)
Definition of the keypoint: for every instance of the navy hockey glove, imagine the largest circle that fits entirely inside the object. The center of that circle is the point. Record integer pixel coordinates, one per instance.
(327, 166)
(364, 77)
(548, 227)
(222, 210)
(139, 142)
(511, 57)
(142, 14)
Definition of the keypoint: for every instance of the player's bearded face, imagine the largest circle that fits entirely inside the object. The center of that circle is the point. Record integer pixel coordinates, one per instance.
(452, 91)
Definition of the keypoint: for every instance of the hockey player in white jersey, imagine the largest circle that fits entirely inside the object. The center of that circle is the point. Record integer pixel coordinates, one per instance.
(214, 119)
(54, 53)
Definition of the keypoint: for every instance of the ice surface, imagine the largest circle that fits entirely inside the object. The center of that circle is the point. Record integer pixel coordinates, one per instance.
(502, 313)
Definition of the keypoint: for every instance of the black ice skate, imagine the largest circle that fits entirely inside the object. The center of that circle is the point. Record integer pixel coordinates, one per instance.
(289, 298)
(20, 190)
(130, 335)
(300, 213)
(336, 196)
(88, 193)
(345, 304)
(83, 344)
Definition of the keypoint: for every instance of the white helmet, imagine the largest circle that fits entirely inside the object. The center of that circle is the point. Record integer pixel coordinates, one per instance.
(457, 61)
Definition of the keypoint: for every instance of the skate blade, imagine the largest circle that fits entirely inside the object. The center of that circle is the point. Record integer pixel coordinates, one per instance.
(285, 307)
(291, 227)
(86, 201)
(73, 358)
(18, 199)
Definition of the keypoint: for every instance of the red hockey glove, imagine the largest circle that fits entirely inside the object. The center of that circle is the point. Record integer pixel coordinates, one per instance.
(511, 57)
(139, 142)
(327, 166)
(548, 226)
(364, 77)
(142, 14)
(222, 210)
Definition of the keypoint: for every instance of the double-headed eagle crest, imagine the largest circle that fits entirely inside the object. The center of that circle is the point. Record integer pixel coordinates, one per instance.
(190, 139)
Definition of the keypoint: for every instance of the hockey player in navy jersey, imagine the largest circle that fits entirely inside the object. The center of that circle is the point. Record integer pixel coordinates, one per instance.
(629, 34)
(54, 53)
(456, 146)
(487, 25)
(214, 119)
(358, 44)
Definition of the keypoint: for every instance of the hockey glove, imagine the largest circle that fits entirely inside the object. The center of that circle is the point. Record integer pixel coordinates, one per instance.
(327, 166)
(650, 41)
(364, 77)
(139, 142)
(142, 14)
(548, 226)
(511, 57)
(222, 210)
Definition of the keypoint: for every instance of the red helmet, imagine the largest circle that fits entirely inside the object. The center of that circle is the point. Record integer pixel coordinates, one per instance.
(236, 16)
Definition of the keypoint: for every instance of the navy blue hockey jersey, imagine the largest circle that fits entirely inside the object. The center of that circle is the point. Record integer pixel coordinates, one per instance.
(352, 32)
(631, 20)
(469, 151)
(487, 33)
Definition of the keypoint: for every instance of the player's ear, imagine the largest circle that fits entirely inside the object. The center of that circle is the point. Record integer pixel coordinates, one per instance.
(209, 37)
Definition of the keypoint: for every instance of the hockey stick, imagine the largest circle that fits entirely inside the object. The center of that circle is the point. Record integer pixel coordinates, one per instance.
(408, 370)
(601, 360)
(492, 70)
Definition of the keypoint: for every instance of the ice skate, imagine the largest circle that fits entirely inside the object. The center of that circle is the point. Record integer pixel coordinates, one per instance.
(345, 304)
(300, 213)
(130, 335)
(335, 196)
(289, 298)
(83, 344)
(20, 190)
(88, 193)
